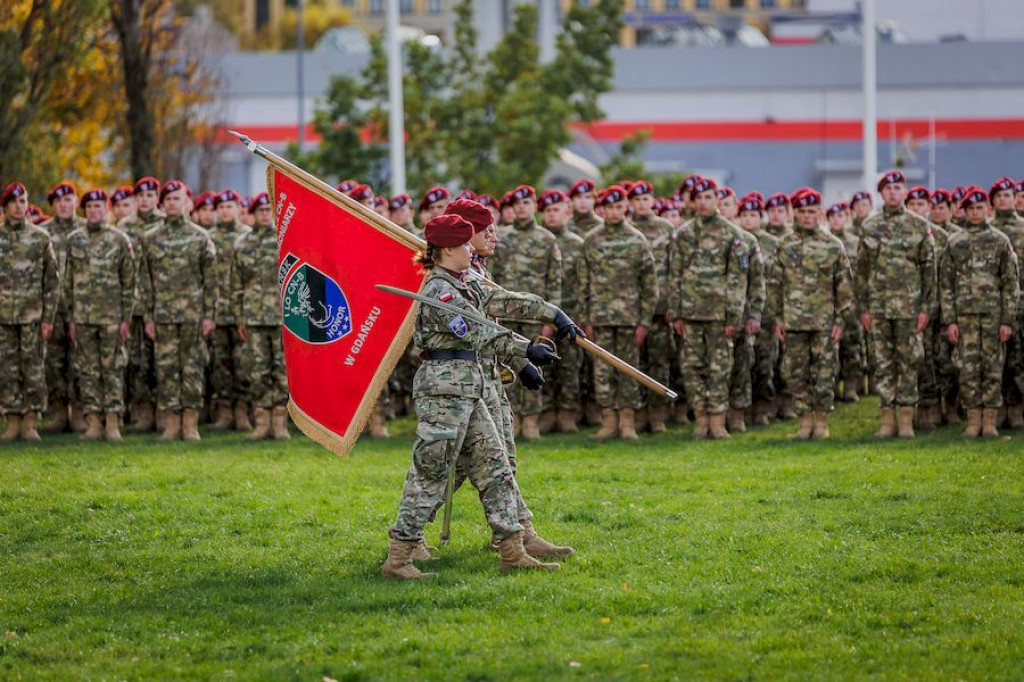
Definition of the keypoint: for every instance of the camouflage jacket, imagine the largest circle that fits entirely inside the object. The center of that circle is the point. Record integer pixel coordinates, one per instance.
(978, 275)
(438, 329)
(528, 259)
(659, 233)
(769, 245)
(1011, 224)
(135, 226)
(779, 231)
(812, 291)
(896, 266)
(224, 237)
(618, 284)
(255, 292)
(177, 281)
(756, 279)
(99, 283)
(709, 269)
(28, 274)
(59, 229)
(571, 246)
(583, 223)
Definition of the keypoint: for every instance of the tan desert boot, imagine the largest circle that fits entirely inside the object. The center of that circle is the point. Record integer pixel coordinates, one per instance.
(279, 423)
(514, 556)
(567, 421)
(820, 426)
(989, 419)
(190, 425)
(737, 423)
(609, 425)
(538, 547)
(702, 429)
(13, 430)
(716, 427)
(657, 416)
(887, 427)
(225, 418)
(377, 427)
(242, 422)
(29, 424)
(262, 428)
(627, 425)
(906, 423)
(531, 427)
(113, 430)
(806, 428)
(399, 562)
(973, 429)
(93, 428)
(172, 426)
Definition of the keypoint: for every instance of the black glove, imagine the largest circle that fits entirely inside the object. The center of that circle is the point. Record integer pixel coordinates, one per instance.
(531, 377)
(541, 355)
(566, 327)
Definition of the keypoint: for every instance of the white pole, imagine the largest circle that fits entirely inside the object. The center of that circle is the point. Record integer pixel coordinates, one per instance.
(870, 94)
(396, 108)
(300, 49)
(932, 142)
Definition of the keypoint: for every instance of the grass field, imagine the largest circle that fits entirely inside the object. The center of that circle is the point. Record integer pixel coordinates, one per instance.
(758, 558)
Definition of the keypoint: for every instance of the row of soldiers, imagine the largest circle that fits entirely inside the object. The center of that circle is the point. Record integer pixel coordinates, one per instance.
(170, 301)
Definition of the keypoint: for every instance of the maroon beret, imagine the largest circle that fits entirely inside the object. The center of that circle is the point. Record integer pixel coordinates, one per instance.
(173, 186)
(666, 206)
(973, 195)
(726, 192)
(93, 195)
(639, 188)
(379, 201)
(751, 203)
(226, 195)
(941, 196)
(473, 212)
(890, 178)
(703, 185)
(258, 201)
(918, 192)
(837, 207)
(488, 200)
(611, 195)
(552, 197)
(506, 199)
(582, 186)
(346, 185)
(523, 192)
(1020, 186)
(467, 194)
(398, 201)
(958, 194)
(122, 193)
(754, 194)
(777, 199)
(448, 230)
(59, 190)
(688, 184)
(147, 184)
(246, 201)
(207, 198)
(35, 214)
(806, 197)
(1001, 185)
(860, 195)
(434, 195)
(360, 193)
(12, 192)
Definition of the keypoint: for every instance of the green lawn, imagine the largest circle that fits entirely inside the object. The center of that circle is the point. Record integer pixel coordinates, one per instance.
(758, 558)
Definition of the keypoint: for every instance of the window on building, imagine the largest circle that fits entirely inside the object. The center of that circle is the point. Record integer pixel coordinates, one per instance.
(737, 4)
(671, 4)
(767, 4)
(376, 6)
(434, 6)
(643, 5)
(262, 13)
(703, 4)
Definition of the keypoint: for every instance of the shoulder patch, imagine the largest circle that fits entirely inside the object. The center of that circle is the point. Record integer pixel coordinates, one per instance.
(459, 327)
(445, 296)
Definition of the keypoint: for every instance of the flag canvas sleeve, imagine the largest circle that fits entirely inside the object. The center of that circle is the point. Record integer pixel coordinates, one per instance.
(342, 336)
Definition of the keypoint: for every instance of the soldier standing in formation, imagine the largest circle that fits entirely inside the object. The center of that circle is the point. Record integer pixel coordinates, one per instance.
(99, 292)
(946, 373)
(1007, 221)
(29, 277)
(583, 219)
(861, 204)
(850, 368)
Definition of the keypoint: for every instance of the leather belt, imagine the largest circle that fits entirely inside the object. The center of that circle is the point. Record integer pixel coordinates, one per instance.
(450, 355)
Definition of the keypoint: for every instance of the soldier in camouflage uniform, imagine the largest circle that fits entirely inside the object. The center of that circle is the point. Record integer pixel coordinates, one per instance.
(811, 301)
(980, 288)
(1018, 197)
(618, 290)
(861, 204)
(728, 203)
(528, 260)
(780, 224)
(122, 203)
(669, 210)
(583, 219)
(959, 217)
(688, 209)
(256, 298)
(946, 373)
(1007, 221)
(896, 293)
(29, 280)
(63, 393)
(400, 384)
(178, 295)
(433, 203)
(709, 270)
(141, 383)
(454, 421)
(659, 347)
(99, 293)
(850, 367)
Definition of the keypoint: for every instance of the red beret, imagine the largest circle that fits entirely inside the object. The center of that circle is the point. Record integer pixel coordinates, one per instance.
(433, 196)
(754, 194)
(702, 185)
(35, 214)
(379, 201)
(918, 192)
(689, 183)
(860, 195)
(1020, 186)
(62, 189)
(640, 187)
(207, 198)
(467, 194)
(582, 186)
(806, 197)
(173, 186)
(488, 200)
(726, 192)
(751, 203)
(837, 207)
(891, 178)
(666, 206)
(941, 196)
(346, 185)
(398, 201)
(12, 192)
(523, 192)
(611, 195)
(959, 193)
(777, 199)
(93, 195)
(552, 197)
(122, 193)
(147, 184)
(473, 212)
(973, 195)
(260, 200)
(246, 201)
(1001, 185)
(447, 230)
(226, 195)
(506, 199)
(360, 192)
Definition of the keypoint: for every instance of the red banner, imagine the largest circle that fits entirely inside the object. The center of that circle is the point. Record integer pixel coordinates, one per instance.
(342, 337)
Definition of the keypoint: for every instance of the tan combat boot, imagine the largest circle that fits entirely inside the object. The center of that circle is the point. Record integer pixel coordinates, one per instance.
(658, 415)
(850, 394)
(567, 421)
(279, 423)
(225, 418)
(887, 428)
(547, 422)
(531, 427)
(113, 431)
(378, 429)
(787, 408)
(702, 429)
(514, 556)
(93, 428)
(143, 417)
(906, 422)
(973, 429)
(28, 427)
(737, 421)
(1015, 416)
(820, 426)
(805, 428)
(716, 426)
(423, 552)
(13, 430)
(682, 413)
(538, 547)
(593, 413)
(609, 425)
(924, 419)
(262, 428)
(58, 418)
(951, 412)
(399, 562)
(172, 426)
(627, 425)
(242, 422)
(78, 423)
(989, 420)
(761, 412)
(190, 425)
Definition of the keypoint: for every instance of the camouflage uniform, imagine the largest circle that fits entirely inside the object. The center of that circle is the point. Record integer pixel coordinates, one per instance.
(29, 280)
(660, 346)
(228, 377)
(933, 340)
(454, 420)
(141, 383)
(177, 290)
(256, 299)
(850, 368)
(895, 282)
(766, 346)
(99, 292)
(562, 388)
(709, 281)
(529, 260)
(1012, 225)
(980, 287)
(740, 381)
(583, 223)
(810, 296)
(59, 351)
(618, 290)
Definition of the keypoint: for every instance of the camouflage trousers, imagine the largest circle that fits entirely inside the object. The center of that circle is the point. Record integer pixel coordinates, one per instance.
(1013, 370)
(268, 382)
(766, 354)
(928, 384)
(141, 381)
(979, 357)
(706, 359)
(400, 383)
(227, 376)
(453, 428)
(656, 357)
(562, 380)
(898, 352)
(612, 389)
(851, 354)
(22, 359)
(181, 358)
(741, 381)
(99, 367)
(809, 368)
(60, 364)
(525, 402)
